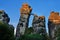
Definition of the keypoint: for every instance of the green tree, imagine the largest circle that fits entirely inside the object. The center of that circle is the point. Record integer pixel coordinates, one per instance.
(33, 37)
(29, 30)
(5, 32)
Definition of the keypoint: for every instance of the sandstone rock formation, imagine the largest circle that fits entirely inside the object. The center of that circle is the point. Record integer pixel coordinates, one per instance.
(24, 20)
(39, 24)
(53, 24)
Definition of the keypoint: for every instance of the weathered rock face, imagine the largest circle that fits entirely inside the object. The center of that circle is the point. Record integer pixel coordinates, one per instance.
(4, 17)
(24, 20)
(39, 24)
(53, 24)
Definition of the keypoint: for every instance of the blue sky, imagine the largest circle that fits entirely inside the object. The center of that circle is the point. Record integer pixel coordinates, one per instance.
(40, 7)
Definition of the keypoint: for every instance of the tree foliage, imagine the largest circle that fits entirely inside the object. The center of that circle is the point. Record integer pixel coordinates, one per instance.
(29, 30)
(32, 37)
(5, 32)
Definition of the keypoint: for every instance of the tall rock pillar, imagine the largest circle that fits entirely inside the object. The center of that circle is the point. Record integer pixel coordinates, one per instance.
(39, 24)
(24, 20)
(54, 25)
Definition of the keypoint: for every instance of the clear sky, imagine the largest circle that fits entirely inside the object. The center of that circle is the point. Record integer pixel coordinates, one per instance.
(40, 7)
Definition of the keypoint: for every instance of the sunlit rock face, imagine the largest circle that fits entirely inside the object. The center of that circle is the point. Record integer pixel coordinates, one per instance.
(23, 20)
(54, 17)
(39, 24)
(25, 9)
(4, 17)
(53, 24)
